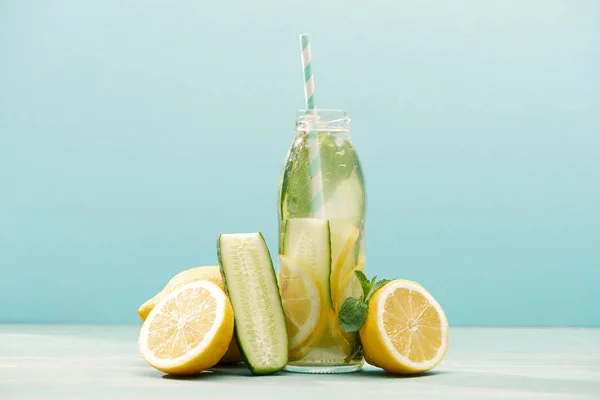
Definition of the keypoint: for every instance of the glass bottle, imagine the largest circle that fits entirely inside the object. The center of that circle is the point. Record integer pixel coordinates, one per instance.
(321, 243)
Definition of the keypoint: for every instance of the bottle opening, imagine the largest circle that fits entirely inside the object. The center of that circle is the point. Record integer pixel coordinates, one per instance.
(323, 119)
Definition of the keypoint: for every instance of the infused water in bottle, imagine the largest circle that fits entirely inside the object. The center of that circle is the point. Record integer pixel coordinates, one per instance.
(321, 241)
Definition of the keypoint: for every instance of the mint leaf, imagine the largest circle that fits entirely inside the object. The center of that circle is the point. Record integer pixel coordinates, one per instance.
(338, 162)
(378, 285)
(352, 315)
(364, 282)
(295, 191)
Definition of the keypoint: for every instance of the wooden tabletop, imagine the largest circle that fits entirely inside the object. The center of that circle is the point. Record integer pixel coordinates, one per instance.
(102, 362)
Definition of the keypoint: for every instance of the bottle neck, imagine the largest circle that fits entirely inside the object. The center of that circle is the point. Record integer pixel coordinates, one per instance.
(331, 121)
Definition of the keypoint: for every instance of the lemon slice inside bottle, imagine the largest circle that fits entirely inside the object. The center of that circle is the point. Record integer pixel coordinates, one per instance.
(304, 305)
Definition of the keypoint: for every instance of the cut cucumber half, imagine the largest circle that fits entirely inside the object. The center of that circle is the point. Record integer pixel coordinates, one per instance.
(307, 242)
(252, 287)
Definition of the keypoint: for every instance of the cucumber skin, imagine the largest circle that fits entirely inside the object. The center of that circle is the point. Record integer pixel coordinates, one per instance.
(253, 370)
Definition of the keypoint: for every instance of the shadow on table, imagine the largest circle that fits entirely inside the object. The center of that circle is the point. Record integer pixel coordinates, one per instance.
(240, 370)
(381, 374)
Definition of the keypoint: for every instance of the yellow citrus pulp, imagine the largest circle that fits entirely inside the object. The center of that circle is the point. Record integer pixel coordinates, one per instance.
(406, 330)
(304, 305)
(208, 273)
(189, 330)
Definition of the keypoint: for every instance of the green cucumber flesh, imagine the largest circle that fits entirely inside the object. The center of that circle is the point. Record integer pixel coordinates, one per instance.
(252, 288)
(307, 241)
(347, 202)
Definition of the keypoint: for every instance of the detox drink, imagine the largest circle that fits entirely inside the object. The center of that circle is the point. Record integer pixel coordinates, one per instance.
(321, 243)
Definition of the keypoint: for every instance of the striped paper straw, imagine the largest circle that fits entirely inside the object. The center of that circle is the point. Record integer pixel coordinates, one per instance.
(314, 155)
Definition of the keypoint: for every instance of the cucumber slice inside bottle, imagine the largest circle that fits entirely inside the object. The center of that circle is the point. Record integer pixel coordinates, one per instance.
(347, 202)
(307, 242)
(252, 287)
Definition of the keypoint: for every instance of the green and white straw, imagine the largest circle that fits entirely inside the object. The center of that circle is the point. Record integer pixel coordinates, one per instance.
(314, 154)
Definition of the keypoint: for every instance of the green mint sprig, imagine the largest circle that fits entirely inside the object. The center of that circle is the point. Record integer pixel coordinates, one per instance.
(353, 311)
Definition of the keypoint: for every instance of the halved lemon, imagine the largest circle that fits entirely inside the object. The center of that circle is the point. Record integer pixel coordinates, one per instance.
(209, 273)
(406, 330)
(304, 305)
(189, 330)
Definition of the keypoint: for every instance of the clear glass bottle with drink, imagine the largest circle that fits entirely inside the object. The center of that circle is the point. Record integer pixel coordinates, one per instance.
(321, 243)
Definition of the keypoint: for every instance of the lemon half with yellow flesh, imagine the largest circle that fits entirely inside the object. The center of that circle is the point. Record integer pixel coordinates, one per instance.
(189, 330)
(208, 273)
(406, 330)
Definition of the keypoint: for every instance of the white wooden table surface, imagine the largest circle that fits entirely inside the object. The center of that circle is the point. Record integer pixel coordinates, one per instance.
(101, 362)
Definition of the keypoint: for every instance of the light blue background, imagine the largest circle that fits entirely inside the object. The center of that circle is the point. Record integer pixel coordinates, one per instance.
(133, 132)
